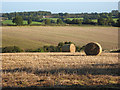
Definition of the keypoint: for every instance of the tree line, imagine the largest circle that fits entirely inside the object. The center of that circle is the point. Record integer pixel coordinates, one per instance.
(51, 48)
(36, 15)
(43, 16)
(107, 21)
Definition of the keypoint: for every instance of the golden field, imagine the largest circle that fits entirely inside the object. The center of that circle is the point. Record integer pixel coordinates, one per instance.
(32, 37)
(60, 70)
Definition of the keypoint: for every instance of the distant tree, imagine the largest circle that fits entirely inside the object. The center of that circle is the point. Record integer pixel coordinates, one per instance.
(73, 21)
(47, 21)
(59, 21)
(76, 21)
(68, 21)
(118, 22)
(12, 49)
(29, 21)
(85, 16)
(18, 20)
(52, 49)
(115, 13)
(10, 17)
(87, 21)
(68, 42)
(66, 14)
(13, 21)
(104, 15)
(110, 21)
(101, 21)
(79, 21)
(46, 48)
(53, 21)
(39, 50)
(106, 21)
(60, 44)
(110, 14)
(60, 14)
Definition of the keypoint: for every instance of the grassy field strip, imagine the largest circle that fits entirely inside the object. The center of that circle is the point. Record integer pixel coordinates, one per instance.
(24, 22)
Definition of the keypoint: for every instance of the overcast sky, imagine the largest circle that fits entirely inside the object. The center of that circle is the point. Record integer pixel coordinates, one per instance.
(59, 0)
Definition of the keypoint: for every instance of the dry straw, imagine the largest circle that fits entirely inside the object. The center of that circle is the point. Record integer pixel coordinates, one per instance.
(69, 48)
(93, 48)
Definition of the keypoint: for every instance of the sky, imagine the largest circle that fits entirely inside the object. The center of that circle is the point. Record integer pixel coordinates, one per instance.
(59, 6)
(60, 0)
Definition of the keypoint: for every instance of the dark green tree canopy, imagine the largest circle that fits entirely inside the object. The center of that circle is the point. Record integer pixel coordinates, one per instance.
(11, 49)
(47, 21)
(18, 20)
(59, 21)
(60, 44)
(29, 21)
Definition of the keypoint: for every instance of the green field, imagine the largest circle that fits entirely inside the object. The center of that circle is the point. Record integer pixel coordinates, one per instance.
(115, 19)
(75, 18)
(7, 22)
(24, 22)
(54, 19)
(94, 20)
(31, 37)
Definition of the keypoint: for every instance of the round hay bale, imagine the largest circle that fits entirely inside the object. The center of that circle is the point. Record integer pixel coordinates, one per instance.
(93, 48)
(69, 48)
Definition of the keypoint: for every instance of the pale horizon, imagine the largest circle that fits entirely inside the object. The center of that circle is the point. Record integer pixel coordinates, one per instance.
(60, 0)
(60, 7)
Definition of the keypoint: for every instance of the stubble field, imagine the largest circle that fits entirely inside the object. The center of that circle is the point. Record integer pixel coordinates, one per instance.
(60, 70)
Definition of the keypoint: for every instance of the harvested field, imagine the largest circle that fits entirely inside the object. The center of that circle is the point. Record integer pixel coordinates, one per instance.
(32, 37)
(60, 70)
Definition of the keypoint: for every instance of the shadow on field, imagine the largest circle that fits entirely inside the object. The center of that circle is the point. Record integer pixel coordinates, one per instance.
(114, 70)
(107, 69)
(83, 54)
(68, 87)
(69, 55)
